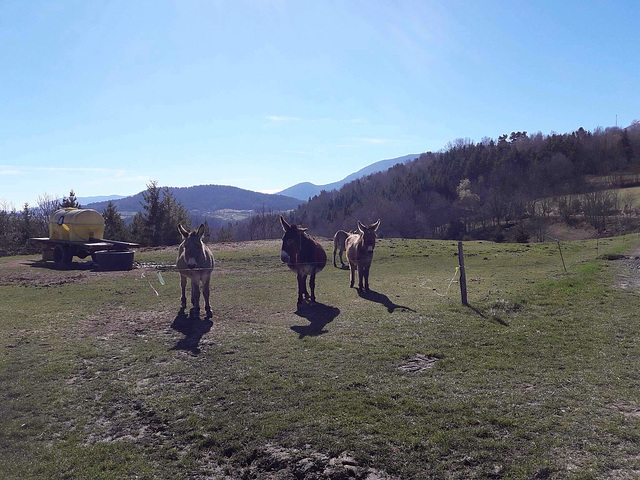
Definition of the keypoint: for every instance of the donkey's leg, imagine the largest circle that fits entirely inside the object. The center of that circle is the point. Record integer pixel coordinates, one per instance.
(183, 285)
(365, 273)
(361, 271)
(352, 271)
(312, 286)
(195, 294)
(205, 294)
(302, 288)
(334, 256)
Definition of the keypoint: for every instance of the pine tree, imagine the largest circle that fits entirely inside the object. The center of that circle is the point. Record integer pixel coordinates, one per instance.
(71, 201)
(26, 230)
(114, 226)
(174, 214)
(153, 215)
(156, 225)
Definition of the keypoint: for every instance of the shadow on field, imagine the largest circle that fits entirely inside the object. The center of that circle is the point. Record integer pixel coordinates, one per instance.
(382, 299)
(193, 328)
(319, 315)
(494, 317)
(80, 266)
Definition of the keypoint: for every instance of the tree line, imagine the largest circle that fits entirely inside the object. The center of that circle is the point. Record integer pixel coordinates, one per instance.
(485, 189)
(154, 225)
(511, 188)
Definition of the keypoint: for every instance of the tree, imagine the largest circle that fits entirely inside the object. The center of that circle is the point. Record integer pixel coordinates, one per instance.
(26, 230)
(152, 216)
(468, 202)
(71, 201)
(9, 230)
(138, 229)
(173, 213)
(47, 205)
(156, 225)
(114, 226)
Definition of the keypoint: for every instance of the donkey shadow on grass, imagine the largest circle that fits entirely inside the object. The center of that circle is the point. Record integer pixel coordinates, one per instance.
(319, 315)
(193, 328)
(383, 300)
(494, 317)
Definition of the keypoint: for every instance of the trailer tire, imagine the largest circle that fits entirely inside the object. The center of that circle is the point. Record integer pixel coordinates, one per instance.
(62, 255)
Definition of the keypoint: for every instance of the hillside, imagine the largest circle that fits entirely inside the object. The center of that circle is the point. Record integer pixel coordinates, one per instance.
(306, 190)
(514, 188)
(206, 200)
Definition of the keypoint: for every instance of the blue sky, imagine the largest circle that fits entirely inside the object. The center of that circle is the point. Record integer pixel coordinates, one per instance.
(104, 96)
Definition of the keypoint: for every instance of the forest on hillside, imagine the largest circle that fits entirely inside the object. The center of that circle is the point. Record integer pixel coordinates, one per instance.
(518, 184)
(514, 188)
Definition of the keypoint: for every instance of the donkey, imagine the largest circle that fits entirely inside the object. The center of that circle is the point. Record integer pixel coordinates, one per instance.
(195, 261)
(304, 255)
(338, 245)
(360, 253)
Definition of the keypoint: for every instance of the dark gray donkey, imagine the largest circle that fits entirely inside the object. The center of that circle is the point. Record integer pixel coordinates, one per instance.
(304, 255)
(360, 253)
(195, 261)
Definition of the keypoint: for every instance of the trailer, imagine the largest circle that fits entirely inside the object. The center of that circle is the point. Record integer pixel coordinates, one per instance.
(75, 232)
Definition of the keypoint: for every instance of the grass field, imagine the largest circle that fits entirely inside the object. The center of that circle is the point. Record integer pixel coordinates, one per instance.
(102, 378)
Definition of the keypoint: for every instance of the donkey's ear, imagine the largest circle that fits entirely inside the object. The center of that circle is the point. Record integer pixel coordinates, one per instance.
(182, 231)
(201, 230)
(376, 225)
(285, 226)
(361, 227)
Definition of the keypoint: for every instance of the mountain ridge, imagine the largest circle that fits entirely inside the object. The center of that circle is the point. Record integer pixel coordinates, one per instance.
(211, 201)
(305, 190)
(204, 200)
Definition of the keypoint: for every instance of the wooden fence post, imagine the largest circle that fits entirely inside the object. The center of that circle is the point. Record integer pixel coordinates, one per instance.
(562, 257)
(463, 275)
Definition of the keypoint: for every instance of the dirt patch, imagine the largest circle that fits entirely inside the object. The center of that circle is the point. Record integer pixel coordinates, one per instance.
(628, 271)
(36, 273)
(122, 321)
(276, 462)
(418, 363)
(629, 411)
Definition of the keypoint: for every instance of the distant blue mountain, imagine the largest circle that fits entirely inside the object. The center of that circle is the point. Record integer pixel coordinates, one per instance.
(206, 199)
(305, 190)
(98, 198)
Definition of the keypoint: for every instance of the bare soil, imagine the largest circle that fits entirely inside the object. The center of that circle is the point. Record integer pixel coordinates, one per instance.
(628, 271)
(36, 273)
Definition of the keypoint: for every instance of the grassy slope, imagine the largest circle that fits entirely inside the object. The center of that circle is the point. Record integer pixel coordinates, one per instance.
(104, 379)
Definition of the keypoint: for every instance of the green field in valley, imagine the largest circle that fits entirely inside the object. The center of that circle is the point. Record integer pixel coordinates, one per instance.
(103, 377)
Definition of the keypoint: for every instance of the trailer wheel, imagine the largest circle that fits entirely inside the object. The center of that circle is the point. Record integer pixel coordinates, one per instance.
(62, 255)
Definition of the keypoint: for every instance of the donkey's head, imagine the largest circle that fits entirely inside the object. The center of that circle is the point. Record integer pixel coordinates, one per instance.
(291, 241)
(192, 247)
(368, 233)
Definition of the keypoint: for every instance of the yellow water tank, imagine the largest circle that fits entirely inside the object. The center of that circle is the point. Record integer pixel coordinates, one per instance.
(76, 224)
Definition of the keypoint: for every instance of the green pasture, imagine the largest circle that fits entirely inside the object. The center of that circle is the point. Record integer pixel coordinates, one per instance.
(539, 377)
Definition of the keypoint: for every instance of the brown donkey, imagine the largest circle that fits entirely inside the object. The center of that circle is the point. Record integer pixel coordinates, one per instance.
(195, 261)
(303, 255)
(338, 245)
(360, 253)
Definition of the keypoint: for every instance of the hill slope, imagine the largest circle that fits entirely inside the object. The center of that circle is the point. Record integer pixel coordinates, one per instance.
(481, 190)
(306, 190)
(207, 199)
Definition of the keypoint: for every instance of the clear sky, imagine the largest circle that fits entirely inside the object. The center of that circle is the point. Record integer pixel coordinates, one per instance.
(104, 96)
